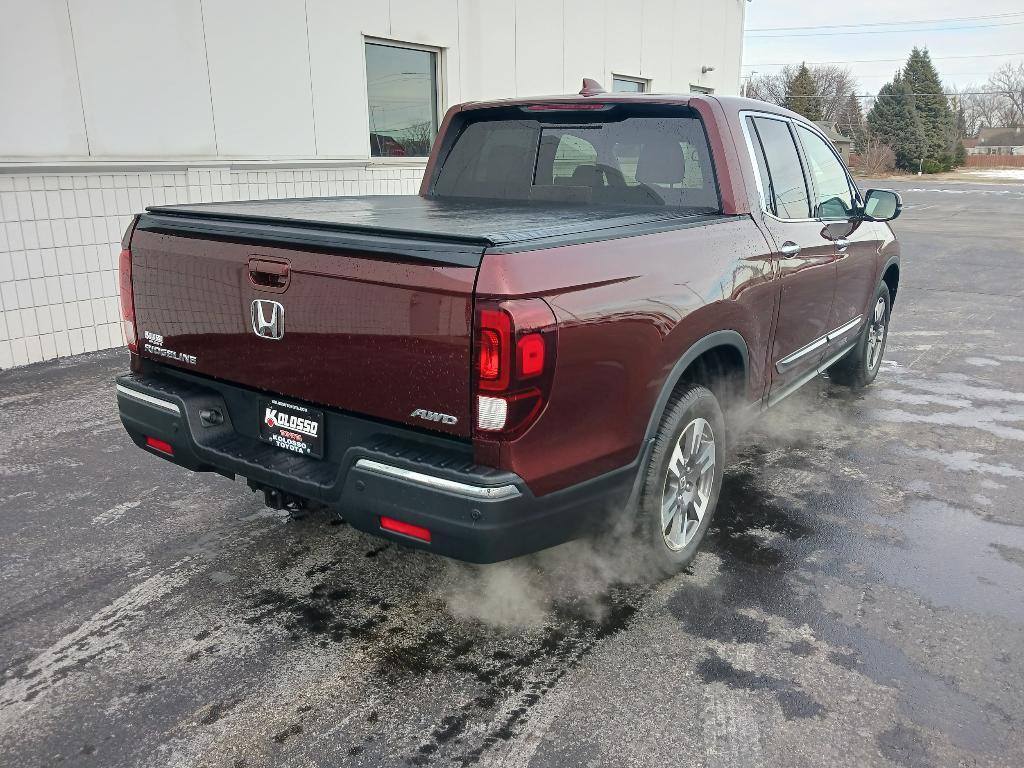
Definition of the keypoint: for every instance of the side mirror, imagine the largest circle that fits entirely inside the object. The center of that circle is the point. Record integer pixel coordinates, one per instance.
(882, 205)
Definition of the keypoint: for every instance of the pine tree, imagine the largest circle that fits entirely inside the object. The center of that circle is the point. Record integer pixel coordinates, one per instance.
(850, 120)
(894, 121)
(961, 121)
(960, 154)
(802, 96)
(932, 107)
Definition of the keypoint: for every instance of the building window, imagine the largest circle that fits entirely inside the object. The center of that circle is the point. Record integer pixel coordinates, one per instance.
(700, 89)
(624, 84)
(401, 90)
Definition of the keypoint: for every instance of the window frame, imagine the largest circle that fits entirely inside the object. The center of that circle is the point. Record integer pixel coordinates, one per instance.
(643, 82)
(440, 92)
(757, 157)
(808, 179)
(815, 131)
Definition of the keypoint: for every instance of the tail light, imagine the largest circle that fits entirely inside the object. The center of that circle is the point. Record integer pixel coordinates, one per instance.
(571, 106)
(127, 299)
(515, 364)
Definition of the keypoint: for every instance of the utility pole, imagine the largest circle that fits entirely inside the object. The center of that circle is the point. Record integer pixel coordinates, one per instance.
(746, 86)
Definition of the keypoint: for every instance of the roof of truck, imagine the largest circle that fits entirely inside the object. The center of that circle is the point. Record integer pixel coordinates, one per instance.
(596, 95)
(597, 98)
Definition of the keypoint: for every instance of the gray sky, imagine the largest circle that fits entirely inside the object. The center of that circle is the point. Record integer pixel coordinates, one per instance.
(766, 50)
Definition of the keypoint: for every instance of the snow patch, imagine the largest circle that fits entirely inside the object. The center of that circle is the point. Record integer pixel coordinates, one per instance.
(1015, 174)
(114, 513)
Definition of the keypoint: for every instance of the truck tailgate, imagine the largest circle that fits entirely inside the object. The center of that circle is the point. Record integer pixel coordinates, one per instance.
(366, 330)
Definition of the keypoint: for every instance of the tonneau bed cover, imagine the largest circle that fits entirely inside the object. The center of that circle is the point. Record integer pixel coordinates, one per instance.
(408, 224)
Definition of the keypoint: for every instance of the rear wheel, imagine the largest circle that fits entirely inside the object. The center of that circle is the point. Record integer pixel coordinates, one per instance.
(682, 480)
(860, 365)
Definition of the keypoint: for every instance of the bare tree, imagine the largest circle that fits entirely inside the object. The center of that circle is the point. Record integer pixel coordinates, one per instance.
(833, 86)
(977, 109)
(1008, 82)
(997, 103)
(417, 138)
(878, 159)
(770, 87)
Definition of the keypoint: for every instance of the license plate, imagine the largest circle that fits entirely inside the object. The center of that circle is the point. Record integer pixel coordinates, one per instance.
(295, 428)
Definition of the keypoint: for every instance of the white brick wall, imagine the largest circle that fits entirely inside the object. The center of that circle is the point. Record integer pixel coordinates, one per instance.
(60, 236)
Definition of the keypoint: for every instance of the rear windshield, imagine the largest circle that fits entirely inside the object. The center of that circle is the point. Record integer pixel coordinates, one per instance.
(589, 159)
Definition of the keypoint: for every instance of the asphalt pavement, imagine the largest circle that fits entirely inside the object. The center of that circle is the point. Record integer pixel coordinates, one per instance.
(859, 600)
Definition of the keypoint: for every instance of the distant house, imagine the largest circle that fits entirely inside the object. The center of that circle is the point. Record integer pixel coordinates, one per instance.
(843, 145)
(998, 141)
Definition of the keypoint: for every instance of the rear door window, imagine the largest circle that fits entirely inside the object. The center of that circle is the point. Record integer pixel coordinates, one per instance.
(832, 196)
(605, 158)
(789, 196)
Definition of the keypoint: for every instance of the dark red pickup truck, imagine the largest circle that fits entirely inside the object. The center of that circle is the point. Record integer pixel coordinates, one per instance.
(556, 332)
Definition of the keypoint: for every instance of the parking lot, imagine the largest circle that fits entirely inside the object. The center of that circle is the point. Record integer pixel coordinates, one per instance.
(858, 602)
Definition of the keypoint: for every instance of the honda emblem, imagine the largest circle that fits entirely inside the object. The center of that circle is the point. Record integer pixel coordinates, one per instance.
(267, 319)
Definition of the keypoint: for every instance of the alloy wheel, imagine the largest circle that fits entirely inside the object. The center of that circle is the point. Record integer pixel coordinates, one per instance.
(876, 334)
(688, 484)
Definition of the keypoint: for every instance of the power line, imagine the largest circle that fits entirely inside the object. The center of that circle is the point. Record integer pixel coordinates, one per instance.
(890, 31)
(868, 61)
(888, 23)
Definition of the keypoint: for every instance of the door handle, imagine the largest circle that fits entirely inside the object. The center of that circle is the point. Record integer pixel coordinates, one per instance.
(842, 244)
(272, 275)
(789, 248)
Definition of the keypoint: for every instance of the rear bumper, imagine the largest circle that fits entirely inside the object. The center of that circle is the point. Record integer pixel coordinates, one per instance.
(369, 470)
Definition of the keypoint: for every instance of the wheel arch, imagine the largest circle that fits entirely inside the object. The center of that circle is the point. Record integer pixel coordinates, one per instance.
(725, 342)
(729, 340)
(891, 277)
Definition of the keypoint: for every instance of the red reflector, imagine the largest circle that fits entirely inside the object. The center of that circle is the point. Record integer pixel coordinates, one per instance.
(160, 445)
(531, 355)
(406, 529)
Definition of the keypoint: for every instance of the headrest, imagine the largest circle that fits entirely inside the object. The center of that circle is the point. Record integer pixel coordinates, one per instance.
(661, 162)
(585, 176)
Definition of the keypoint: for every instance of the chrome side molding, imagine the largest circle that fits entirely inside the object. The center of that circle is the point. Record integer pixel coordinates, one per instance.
(844, 328)
(776, 397)
(789, 360)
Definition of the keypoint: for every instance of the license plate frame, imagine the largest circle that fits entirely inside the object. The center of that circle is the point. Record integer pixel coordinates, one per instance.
(292, 427)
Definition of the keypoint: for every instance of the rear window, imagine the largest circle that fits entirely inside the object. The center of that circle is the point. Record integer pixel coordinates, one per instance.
(589, 159)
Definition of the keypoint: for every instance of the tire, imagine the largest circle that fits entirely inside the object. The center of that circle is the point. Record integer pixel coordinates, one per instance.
(665, 543)
(860, 365)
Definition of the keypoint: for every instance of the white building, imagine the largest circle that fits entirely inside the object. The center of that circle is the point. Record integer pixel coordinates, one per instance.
(107, 106)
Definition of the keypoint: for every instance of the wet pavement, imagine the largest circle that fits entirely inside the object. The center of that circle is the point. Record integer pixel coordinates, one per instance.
(860, 600)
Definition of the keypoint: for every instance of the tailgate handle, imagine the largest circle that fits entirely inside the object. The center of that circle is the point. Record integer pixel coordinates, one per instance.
(265, 273)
